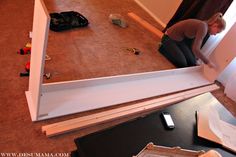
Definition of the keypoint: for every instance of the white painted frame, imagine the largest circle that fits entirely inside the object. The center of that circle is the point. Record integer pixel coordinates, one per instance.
(62, 98)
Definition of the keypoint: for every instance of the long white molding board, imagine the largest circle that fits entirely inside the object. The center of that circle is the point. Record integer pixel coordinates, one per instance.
(76, 96)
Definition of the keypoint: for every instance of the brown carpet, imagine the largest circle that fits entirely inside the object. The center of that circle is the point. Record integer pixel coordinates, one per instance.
(95, 51)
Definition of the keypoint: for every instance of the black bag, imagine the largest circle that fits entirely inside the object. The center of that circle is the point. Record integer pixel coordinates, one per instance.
(67, 20)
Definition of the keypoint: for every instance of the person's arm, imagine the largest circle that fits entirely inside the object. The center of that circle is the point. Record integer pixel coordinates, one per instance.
(196, 47)
(197, 51)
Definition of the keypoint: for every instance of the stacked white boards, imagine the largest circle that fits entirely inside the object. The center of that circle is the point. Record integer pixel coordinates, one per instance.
(51, 100)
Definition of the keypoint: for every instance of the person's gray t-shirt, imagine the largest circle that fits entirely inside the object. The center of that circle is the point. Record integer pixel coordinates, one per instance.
(190, 28)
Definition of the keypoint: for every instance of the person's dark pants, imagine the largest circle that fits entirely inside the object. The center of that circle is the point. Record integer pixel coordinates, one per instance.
(178, 53)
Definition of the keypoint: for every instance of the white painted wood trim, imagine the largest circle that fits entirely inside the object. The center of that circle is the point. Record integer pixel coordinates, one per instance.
(50, 87)
(159, 21)
(145, 24)
(39, 44)
(77, 96)
(31, 106)
(133, 106)
(106, 116)
(161, 10)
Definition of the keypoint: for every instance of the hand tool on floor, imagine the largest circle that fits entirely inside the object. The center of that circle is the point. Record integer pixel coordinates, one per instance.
(133, 50)
(25, 50)
(47, 75)
(27, 69)
(47, 58)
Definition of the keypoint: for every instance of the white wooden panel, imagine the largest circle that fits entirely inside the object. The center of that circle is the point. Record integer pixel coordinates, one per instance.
(39, 44)
(58, 100)
(49, 87)
(169, 98)
(223, 54)
(161, 10)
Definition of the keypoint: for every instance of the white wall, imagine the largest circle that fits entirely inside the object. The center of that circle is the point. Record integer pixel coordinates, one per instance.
(213, 41)
(228, 72)
(228, 76)
(230, 17)
(161, 10)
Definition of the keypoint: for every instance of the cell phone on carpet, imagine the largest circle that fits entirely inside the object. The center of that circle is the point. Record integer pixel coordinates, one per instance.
(168, 121)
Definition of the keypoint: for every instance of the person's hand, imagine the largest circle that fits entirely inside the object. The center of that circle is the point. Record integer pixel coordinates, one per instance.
(211, 65)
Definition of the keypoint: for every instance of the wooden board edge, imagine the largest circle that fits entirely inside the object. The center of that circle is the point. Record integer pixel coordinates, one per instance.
(57, 130)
